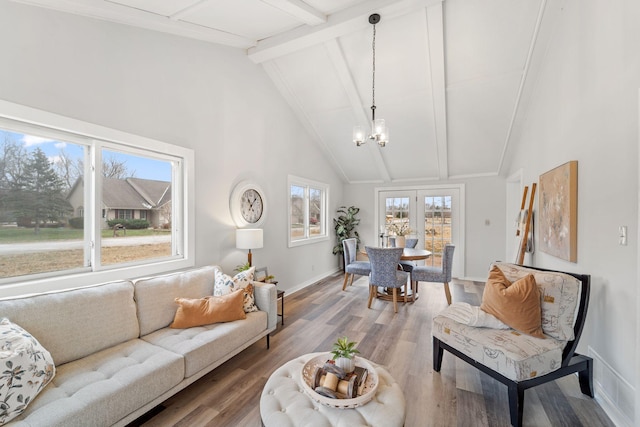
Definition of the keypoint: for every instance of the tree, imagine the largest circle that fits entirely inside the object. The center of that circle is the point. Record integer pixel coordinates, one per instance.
(113, 168)
(36, 194)
(68, 168)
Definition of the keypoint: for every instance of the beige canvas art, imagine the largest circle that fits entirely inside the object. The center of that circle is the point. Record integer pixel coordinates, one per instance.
(558, 207)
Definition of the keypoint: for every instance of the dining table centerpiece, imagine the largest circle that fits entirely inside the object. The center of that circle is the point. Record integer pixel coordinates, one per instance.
(400, 231)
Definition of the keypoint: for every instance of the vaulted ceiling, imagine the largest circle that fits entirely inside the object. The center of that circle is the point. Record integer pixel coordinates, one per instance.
(452, 76)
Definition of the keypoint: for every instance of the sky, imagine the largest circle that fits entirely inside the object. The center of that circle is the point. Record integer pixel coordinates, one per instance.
(141, 166)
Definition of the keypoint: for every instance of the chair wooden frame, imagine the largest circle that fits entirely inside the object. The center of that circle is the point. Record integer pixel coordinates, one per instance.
(571, 362)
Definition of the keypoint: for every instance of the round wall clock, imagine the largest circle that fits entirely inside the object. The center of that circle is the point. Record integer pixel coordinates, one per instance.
(248, 204)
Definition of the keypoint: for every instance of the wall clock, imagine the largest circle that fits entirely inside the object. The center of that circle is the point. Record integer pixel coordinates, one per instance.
(248, 204)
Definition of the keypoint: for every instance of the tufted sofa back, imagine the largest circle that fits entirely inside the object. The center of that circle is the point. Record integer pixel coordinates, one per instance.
(75, 323)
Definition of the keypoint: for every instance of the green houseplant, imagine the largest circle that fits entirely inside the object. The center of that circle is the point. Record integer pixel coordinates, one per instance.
(344, 226)
(344, 352)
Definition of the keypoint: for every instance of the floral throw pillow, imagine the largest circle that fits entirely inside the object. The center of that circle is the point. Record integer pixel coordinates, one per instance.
(27, 368)
(225, 284)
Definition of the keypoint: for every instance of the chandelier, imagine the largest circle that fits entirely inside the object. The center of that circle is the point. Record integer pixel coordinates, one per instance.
(379, 132)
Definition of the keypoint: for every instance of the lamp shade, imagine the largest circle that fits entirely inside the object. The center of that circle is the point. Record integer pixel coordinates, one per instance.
(249, 238)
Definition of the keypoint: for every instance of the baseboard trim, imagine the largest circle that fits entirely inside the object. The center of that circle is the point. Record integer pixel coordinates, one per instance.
(612, 392)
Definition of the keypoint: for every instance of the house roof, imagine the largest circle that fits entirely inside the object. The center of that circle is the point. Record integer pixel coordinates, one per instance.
(134, 193)
(131, 193)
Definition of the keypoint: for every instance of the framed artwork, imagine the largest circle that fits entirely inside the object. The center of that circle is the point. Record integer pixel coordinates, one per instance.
(260, 274)
(558, 207)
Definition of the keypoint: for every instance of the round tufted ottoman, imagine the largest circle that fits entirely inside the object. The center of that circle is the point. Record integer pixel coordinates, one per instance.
(285, 404)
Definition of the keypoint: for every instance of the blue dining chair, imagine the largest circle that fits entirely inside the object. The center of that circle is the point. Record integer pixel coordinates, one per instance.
(436, 274)
(408, 265)
(351, 266)
(385, 273)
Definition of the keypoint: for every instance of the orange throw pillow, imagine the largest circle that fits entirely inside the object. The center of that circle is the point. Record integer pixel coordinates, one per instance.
(208, 310)
(516, 304)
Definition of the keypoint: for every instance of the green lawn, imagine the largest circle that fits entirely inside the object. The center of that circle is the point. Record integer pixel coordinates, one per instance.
(23, 235)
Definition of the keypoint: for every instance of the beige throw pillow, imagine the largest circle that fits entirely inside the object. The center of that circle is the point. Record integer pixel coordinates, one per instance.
(516, 304)
(208, 310)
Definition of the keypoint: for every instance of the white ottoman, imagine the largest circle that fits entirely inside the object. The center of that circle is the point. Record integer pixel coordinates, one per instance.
(285, 404)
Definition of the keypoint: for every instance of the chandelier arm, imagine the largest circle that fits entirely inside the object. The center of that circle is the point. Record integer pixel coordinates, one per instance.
(373, 76)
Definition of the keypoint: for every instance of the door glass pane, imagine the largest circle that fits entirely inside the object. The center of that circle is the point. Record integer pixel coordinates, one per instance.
(437, 226)
(41, 224)
(132, 184)
(397, 221)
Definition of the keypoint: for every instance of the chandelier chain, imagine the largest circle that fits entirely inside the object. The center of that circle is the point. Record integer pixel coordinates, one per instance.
(373, 79)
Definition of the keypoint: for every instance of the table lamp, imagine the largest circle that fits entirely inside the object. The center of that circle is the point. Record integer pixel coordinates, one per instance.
(249, 238)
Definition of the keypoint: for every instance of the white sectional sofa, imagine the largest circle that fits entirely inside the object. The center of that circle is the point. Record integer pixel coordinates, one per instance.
(116, 357)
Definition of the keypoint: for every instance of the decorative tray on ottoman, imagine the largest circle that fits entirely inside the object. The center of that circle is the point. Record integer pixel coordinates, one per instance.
(366, 390)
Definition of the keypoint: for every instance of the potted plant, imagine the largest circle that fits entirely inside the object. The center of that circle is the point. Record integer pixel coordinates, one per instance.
(400, 230)
(344, 226)
(344, 352)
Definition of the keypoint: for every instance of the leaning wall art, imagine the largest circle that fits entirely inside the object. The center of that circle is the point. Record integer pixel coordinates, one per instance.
(558, 207)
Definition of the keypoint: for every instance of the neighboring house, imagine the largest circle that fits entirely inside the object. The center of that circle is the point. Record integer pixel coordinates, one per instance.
(129, 198)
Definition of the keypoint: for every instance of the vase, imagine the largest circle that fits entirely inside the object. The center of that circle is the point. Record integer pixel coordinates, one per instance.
(400, 241)
(348, 365)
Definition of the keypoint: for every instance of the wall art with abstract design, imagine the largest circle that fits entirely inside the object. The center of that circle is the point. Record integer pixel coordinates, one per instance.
(558, 207)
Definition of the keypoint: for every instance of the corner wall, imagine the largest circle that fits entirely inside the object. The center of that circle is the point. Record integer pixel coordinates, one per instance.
(585, 108)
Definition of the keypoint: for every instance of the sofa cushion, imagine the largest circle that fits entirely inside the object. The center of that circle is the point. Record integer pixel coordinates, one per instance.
(517, 304)
(27, 368)
(516, 356)
(559, 298)
(78, 322)
(226, 284)
(203, 345)
(208, 310)
(103, 388)
(155, 296)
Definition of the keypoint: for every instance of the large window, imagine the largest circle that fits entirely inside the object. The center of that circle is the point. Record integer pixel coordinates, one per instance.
(73, 203)
(307, 211)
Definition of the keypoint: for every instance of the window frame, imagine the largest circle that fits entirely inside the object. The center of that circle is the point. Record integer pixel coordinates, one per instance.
(324, 209)
(24, 119)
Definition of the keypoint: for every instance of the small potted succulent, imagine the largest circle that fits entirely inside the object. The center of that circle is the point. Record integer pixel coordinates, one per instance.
(344, 352)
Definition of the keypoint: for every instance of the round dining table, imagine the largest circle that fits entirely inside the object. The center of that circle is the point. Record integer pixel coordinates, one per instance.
(413, 254)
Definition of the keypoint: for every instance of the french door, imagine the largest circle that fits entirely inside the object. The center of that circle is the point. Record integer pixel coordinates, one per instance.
(435, 215)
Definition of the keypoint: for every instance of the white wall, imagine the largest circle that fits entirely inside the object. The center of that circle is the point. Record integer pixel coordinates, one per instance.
(585, 108)
(484, 200)
(184, 92)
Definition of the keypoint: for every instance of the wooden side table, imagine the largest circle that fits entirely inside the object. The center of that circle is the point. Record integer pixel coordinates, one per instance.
(280, 296)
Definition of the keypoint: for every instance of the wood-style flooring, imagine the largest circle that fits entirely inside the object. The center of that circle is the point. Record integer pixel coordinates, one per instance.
(459, 395)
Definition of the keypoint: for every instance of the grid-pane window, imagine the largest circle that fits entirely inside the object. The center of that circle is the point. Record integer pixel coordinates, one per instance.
(307, 211)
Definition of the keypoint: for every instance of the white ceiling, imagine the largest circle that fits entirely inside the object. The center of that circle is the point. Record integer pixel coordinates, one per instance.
(452, 77)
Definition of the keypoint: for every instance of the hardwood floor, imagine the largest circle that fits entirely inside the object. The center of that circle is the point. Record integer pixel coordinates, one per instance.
(315, 316)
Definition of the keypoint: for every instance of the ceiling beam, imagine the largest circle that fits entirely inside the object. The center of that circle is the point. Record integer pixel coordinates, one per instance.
(338, 24)
(299, 10)
(435, 42)
(344, 74)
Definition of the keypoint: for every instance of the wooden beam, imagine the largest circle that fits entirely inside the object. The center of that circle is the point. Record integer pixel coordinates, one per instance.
(338, 24)
(435, 36)
(299, 10)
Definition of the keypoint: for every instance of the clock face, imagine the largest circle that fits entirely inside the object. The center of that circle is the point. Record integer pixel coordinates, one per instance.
(251, 206)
